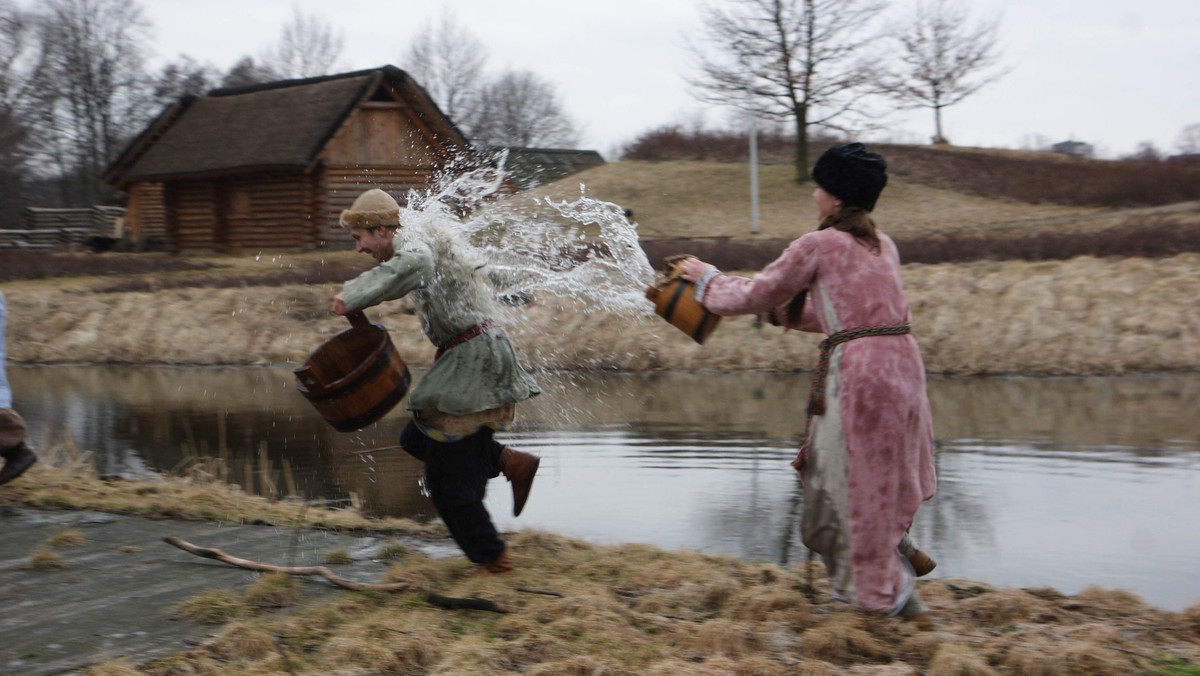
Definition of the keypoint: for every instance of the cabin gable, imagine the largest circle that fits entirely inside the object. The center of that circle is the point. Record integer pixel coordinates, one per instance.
(271, 166)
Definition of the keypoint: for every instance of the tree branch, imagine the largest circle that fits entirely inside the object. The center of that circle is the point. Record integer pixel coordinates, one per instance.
(430, 597)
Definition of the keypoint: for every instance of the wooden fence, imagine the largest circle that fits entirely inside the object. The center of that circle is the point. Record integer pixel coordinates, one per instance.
(94, 228)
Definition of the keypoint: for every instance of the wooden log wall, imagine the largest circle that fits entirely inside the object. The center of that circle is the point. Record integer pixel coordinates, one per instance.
(241, 214)
(146, 215)
(339, 185)
(267, 213)
(192, 214)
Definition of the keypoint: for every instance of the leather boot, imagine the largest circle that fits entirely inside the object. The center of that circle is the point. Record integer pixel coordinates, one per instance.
(922, 563)
(16, 461)
(500, 566)
(519, 467)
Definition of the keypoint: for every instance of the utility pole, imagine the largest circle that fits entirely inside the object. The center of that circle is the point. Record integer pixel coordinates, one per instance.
(753, 168)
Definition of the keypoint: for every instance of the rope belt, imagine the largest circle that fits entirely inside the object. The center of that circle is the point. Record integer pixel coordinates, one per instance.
(462, 338)
(816, 396)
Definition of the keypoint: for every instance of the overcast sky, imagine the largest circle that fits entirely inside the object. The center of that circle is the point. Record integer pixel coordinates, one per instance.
(1112, 73)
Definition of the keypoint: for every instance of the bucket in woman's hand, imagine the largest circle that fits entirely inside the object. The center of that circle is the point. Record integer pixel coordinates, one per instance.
(675, 301)
(356, 377)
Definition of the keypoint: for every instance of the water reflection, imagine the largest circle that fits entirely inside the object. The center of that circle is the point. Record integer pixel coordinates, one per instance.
(1062, 482)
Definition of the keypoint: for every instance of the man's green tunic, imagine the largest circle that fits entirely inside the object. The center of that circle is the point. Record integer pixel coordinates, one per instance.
(449, 297)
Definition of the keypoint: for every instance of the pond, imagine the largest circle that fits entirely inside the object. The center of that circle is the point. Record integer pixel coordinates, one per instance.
(1058, 482)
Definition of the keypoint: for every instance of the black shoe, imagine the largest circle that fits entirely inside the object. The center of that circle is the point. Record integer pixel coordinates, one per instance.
(16, 462)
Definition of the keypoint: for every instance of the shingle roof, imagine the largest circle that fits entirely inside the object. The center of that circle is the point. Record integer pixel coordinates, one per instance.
(274, 125)
(531, 167)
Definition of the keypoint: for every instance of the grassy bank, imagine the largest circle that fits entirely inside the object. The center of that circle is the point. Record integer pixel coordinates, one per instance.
(1080, 316)
(578, 608)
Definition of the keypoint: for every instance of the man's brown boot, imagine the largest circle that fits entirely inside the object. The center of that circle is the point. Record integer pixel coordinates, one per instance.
(519, 467)
(500, 566)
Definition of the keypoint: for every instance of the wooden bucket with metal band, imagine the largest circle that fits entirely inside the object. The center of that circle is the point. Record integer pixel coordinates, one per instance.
(675, 301)
(356, 377)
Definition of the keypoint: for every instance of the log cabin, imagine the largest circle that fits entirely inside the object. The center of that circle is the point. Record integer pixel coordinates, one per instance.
(271, 166)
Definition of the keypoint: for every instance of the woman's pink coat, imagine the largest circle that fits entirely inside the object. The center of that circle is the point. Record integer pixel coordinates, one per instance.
(885, 416)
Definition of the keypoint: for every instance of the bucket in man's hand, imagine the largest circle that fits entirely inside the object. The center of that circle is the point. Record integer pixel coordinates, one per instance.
(675, 301)
(356, 377)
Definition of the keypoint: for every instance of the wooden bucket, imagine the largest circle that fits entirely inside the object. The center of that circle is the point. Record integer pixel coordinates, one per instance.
(675, 301)
(356, 377)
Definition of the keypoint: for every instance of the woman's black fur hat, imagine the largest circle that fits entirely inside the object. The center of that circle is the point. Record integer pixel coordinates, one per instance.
(852, 174)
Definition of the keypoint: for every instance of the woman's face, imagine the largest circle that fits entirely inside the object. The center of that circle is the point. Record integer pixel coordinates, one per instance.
(827, 204)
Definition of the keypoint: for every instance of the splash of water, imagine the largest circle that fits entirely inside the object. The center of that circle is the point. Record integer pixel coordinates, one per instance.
(585, 250)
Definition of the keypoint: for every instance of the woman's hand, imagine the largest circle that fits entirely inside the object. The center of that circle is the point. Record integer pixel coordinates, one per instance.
(692, 268)
(338, 306)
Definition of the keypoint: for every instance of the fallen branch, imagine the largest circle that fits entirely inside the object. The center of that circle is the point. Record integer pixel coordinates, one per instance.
(544, 592)
(430, 597)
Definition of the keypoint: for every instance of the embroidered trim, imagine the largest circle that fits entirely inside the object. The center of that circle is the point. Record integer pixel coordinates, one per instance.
(702, 283)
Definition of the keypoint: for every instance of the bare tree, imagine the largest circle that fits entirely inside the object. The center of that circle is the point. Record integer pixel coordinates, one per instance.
(1146, 151)
(520, 109)
(307, 47)
(92, 86)
(801, 60)
(1188, 142)
(245, 72)
(944, 58)
(447, 60)
(184, 77)
(20, 54)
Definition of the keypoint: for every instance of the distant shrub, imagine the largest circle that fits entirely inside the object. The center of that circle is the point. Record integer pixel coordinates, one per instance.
(1158, 237)
(1044, 177)
(674, 143)
(1034, 177)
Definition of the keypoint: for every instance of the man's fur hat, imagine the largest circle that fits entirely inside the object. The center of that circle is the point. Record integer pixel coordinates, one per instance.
(372, 209)
(852, 174)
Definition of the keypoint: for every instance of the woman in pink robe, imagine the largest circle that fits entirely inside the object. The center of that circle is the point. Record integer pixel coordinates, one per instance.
(867, 459)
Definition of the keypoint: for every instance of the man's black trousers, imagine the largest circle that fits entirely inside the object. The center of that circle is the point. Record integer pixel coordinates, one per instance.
(456, 475)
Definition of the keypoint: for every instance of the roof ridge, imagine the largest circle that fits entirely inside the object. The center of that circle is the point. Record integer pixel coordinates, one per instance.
(300, 82)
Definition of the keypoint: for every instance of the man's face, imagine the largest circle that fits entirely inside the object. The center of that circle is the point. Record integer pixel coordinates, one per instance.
(374, 241)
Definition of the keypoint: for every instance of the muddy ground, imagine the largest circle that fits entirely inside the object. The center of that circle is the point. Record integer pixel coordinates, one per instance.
(115, 589)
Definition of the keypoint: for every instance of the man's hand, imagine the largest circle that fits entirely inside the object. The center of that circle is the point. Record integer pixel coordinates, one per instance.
(338, 306)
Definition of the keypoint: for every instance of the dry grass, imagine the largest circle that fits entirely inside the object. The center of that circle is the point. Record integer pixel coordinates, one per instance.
(712, 199)
(213, 606)
(338, 557)
(272, 590)
(65, 478)
(44, 559)
(67, 538)
(633, 609)
(603, 623)
(1079, 316)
